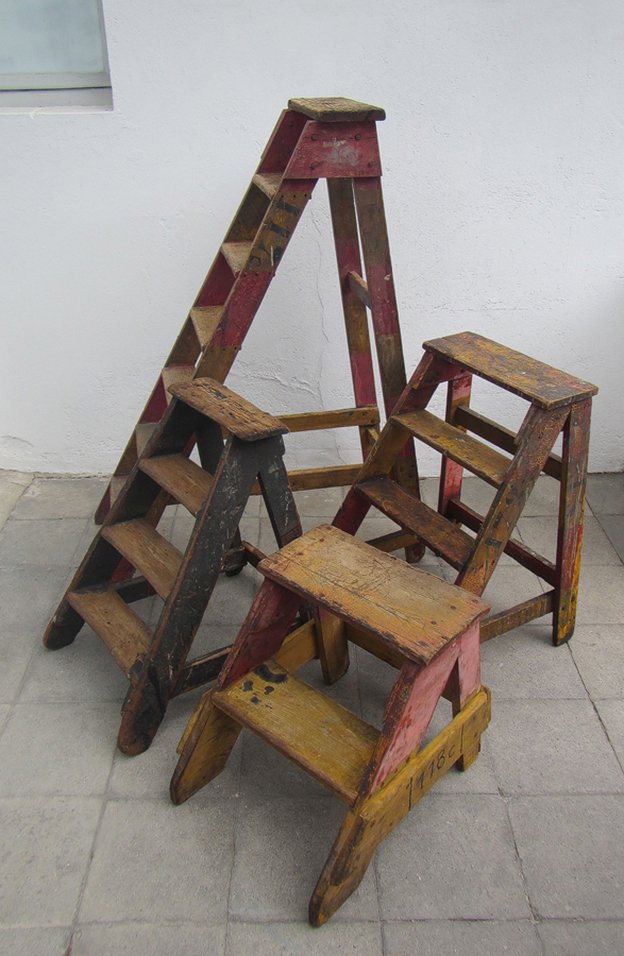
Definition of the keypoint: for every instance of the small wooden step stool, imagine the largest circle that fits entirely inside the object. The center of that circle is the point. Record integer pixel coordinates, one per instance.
(430, 627)
(155, 662)
(558, 403)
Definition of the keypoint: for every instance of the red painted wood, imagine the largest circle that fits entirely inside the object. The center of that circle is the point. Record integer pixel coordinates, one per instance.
(262, 632)
(469, 662)
(156, 405)
(409, 711)
(282, 142)
(241, 308)
(217, 284)
(452, 473)
(336, 150)
(352, 512)
(363, 378)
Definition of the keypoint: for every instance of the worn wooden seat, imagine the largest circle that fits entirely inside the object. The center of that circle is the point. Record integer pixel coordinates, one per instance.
(558, 403)
(428, 628)
(130, 558)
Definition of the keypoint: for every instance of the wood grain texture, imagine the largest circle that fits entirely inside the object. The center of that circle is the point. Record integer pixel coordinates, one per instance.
(268, 183)
(236, 254)
(502, 437)
(205, 319)
(442, 536)
(478, 458)
(336, 109)
(126, 635)
(373, 818)
(182, 478)
(541, 384)
(336, 418)
(314, 731)
(230, 410)
(147, 551)
(410, 609)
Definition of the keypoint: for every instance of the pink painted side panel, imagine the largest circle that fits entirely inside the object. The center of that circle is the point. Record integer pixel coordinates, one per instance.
(336, 150)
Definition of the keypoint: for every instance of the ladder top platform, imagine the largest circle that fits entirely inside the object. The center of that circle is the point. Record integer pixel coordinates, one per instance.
(541, 384)
(337, 109)
(354, 581)
(235, 413)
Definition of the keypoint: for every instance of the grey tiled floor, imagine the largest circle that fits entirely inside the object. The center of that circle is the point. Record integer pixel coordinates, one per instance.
(523, 854)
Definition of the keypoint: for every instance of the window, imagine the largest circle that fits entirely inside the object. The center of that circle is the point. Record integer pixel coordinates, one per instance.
(53, 52)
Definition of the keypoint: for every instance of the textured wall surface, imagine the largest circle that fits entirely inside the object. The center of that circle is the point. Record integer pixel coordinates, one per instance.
(504, 190)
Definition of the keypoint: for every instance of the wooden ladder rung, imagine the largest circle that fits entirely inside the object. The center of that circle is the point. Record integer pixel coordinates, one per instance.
(236, 255)
(147, 551)
(327, 740)
(205, 320)
(268, 183)
(336, 418)
(456, 444)
(123, 632)
(183, 479)
(440, 534)
(143, 432)
(174, 375)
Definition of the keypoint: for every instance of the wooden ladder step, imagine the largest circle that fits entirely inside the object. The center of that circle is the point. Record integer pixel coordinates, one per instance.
(174, 375)
(230, 410)
(143, 432)
(183, 479)
(124, 633)
(268, 183)
(205, 320)
(147, 551)
(327, 740)
(409, 610)
(236, 255)
(440, 534)
(456, 444)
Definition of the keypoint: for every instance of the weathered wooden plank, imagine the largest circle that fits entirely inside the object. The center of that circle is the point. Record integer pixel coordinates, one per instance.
(205, 319)
(336, 109)
(335, 150)
(500, 436)
(230, 410)
(451, 472)
(174, 375)
(517, 615)
(424, 615)
(529, 559)
(370, 821)
(462, 448)
(359, 288)
(326, 739)
(182, 478)
(125, 634)
(236, 254)
(147, 551)
(541, 384)
(336, 418)
(443, 537)
(204, 750)
(571, 518)
(268, 183)
(537, 436)
(393, 541)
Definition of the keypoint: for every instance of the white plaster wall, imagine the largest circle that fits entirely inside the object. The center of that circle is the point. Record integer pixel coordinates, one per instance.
(503, 182)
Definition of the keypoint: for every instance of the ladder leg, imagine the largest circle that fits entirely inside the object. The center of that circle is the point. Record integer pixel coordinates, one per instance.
(452, 473)
(278, 497)
(537, 436)
(344, 222)
(345, 867)
(571, 514)
(204, 750)
(379, 276)
(147, 700)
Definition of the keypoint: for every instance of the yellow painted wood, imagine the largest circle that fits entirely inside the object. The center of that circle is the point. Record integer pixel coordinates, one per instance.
(268, 183)
(456, 444)
(415, 612)
(323, 737)
(336, 109)
(337, 418)
(541, 384)
(205, 320)
(173, 374)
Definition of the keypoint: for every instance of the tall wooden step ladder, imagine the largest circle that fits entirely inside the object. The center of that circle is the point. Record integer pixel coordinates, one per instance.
(333, 139)
(215, 492)
(558, 402)
(429, 627)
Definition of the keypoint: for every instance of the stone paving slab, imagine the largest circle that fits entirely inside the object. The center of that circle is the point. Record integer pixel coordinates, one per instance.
(521, 854)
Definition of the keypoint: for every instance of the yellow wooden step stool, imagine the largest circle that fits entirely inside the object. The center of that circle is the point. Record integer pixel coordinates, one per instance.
(429, 628)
